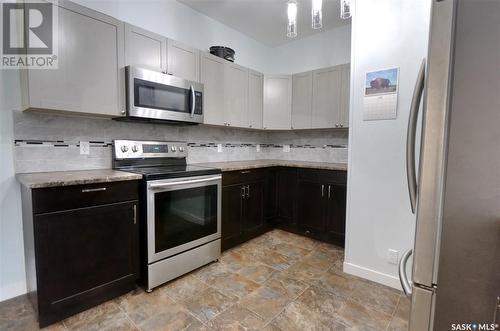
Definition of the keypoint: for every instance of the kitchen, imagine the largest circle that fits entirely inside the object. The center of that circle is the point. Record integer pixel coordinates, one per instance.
(116, 217)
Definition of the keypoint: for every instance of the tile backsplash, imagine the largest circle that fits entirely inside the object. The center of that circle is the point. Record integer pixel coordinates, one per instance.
(51, 142)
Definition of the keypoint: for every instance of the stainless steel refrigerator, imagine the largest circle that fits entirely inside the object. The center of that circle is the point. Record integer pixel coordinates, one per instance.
(455, 189)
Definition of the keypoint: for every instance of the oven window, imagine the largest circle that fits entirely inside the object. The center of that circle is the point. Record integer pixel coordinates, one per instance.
(182, 216)
(159, 96)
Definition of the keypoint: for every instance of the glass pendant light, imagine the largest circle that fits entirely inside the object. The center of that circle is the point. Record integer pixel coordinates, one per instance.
(291, 30)
(317, 15)
(345, 9)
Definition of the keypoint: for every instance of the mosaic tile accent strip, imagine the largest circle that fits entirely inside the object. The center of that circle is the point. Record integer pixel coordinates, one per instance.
(62, 143)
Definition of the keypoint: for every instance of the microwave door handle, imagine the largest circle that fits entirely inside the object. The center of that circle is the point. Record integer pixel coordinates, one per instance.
(406, 284)
(411, 172)
(193, 100)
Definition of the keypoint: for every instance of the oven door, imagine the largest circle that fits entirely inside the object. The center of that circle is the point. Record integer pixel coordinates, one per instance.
(154, 95)
(182, 213)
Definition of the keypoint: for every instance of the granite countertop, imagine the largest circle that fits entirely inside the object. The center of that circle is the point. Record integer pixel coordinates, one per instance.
(253, 164)
(66, 178)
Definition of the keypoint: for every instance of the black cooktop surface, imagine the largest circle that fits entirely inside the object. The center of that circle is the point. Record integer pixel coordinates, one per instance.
(172, 171)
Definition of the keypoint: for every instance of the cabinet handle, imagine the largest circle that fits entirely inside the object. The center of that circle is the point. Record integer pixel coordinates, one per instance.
(87, 190)
(248, 191)
(135, 214)
(243, 192)
(329, 190)
(245, 172)
(322, 190)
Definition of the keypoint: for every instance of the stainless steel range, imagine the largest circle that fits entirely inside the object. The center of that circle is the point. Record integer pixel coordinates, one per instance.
(181, 208)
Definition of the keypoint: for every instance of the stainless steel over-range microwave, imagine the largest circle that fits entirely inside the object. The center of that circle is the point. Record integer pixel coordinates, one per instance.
(157, 96)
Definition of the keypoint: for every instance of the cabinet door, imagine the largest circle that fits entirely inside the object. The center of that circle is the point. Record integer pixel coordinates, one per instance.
(301, 100)
(286, 180)
(311, 206)
(326, 97)
(336, 205)
(236, 95)
(232, 212)
(270, 203)
(81, 250)
(254, 208)
(89, 78)
(183, 60)
(277, 102)
(255, 99)
(145, 49)
(345, 97)
(212, 77)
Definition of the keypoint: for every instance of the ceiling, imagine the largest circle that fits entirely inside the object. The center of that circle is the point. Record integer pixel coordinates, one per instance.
(265, 20)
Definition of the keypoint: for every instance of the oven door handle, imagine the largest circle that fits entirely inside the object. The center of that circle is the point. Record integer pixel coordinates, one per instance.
(193, 100)
(182, 182)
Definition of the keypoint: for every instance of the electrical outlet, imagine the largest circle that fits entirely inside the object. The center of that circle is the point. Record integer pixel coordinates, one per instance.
(286, 148)
(84, 148)
(392, 256)
(258, 148)
(219, 148)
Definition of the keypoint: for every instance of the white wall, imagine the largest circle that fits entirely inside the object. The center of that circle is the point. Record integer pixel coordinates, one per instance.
(12, 276)
(321, 50)
(384, 33)
(179, 22)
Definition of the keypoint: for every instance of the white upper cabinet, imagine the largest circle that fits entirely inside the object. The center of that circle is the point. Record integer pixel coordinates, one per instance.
(326, 97)
(89, 79)
(183, 60)
(145, 49)
(236, 95)
(277, 102)
(345, 96)
(255, 99)
(302, 87)
(212, 77)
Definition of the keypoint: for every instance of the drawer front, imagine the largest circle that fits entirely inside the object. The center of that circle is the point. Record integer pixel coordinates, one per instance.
(53, 199)
(323, 176)
(244, 176)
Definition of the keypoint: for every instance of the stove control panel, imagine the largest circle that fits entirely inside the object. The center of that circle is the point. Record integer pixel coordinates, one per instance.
(134, 149)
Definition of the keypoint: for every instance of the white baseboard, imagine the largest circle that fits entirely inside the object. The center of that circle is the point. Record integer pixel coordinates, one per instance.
(12, 290)
(372, 275)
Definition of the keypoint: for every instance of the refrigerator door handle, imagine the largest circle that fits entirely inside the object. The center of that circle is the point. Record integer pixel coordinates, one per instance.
(406, 284)
(411, 172)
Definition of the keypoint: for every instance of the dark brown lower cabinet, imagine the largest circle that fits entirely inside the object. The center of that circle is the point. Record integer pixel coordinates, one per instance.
(311, 211)
(309, 202)
(245, 205)
(321, 204)
(79, 257)
(232, 215)
(335, 221)
(286, 186)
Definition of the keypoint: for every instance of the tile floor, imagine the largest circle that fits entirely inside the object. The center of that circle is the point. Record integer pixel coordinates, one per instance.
(278, 281)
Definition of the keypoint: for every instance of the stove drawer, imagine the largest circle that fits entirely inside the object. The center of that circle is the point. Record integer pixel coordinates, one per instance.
(53, 199)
